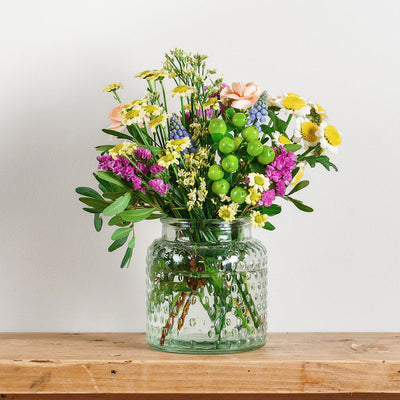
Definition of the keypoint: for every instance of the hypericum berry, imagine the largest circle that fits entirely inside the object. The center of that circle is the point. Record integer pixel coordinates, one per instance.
(267, 155)
(239, 120)
(238, 141)
(238, 195)
(250, 133)
(230, 163)
(215, 172)
(217, 125)
(226, 145)
(220, 187)
(254, 148)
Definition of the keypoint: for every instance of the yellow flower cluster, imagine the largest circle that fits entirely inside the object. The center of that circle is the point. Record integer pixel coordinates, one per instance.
(197, 195)
(112, 87)
(196, 161)
(182, 91)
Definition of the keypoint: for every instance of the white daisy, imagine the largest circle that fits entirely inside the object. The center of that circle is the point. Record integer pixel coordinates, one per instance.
(329, 138)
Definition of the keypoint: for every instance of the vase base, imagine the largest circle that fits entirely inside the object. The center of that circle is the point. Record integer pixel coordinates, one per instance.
(207, 347)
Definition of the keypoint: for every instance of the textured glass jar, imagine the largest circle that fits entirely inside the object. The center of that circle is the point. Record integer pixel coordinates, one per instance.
(206, 287)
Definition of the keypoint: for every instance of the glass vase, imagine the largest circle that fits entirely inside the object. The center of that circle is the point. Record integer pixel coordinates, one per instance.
(206, 287)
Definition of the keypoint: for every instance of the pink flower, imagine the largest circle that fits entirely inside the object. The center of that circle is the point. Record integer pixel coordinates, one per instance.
(116, 118)
(242, 95)
(268, 197)
(159, 185)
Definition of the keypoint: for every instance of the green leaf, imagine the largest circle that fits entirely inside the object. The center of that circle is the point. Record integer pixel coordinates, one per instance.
(113, 196)
(294, 173)
(137, 215)
(118, 243)
(90, 210)
(155, 216)
(114, 179)
(323, 160)
(88, 192)
(299, 204)
(299, 186)
(97, 204)
(119, 205)
(98, 222)
(292, 147)
(131, 243)
(117, 134)
(104, 147)
(127, 257)
(273, 209)
(120, 233)
(268, 226)
(155, 150)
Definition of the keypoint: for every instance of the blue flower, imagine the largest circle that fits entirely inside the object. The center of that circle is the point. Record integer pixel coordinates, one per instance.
(258, 113)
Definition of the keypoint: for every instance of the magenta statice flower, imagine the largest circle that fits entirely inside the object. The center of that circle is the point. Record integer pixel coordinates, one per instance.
(159, 185)
(267, 197)
(142, 168)
(123, 168)
(144, 154)
(280, 170)
(156, 169)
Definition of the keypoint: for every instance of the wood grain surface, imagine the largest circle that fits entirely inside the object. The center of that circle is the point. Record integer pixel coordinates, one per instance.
(112, 364)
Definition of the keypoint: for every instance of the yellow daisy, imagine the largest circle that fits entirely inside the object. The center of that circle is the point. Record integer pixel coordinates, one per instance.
(259, 182)
(182, 91)
(179, 144)
(112, 86)
(280, 139)
(212, 102)
(152, 110)
(330, 137)
(257, 219)
(152, 74)
(253, 197)
(121, 149)
(227, 213)
(160, 120)
(293, 103)
(168, 159)
(306, 133)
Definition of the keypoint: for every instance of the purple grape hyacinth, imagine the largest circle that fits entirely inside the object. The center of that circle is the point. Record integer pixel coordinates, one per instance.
(258, 113)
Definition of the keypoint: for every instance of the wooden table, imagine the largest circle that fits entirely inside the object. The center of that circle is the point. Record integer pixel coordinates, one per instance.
(122, 366)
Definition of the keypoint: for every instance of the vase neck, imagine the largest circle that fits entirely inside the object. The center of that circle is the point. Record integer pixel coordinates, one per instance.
(205, 231)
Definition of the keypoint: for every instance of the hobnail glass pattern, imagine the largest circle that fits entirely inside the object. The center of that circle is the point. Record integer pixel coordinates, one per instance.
(206, 288)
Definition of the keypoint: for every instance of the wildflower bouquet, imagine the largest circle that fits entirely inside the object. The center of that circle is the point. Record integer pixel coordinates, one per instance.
(227, 152)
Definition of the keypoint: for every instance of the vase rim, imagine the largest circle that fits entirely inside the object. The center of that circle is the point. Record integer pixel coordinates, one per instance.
(172, 221)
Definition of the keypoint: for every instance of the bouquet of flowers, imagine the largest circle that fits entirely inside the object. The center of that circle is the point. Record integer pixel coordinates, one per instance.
(227, 152)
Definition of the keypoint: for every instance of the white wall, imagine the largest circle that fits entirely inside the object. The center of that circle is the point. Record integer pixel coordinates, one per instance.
(337, 269)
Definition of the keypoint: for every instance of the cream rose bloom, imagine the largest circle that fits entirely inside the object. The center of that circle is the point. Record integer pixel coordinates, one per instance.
(242, 95)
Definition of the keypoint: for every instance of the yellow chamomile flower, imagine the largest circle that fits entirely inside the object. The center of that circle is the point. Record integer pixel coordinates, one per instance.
(168, 159)
(317, 114)
(258, 182)
(132, 116)
(257, 219)
(253, 197)
(330, 137)
(182, 91)
(299, 175)
(294, 104)
(152, 74)
(212, 102)
(152, 110)
(160, 120)
(305, 133)
(227, 213)
(179, 144)
(112, 86)
(120, 149)
(279, 139)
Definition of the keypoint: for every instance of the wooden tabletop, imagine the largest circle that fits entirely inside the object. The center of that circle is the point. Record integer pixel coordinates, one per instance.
(122, 363)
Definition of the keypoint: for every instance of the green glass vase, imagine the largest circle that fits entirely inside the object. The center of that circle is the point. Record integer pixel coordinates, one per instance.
(206, 287)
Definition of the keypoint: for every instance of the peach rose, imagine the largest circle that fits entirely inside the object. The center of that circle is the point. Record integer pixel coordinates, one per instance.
(116, 118)
(243, 95)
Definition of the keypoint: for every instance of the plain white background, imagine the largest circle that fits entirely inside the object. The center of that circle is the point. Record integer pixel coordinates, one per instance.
(337, 269)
